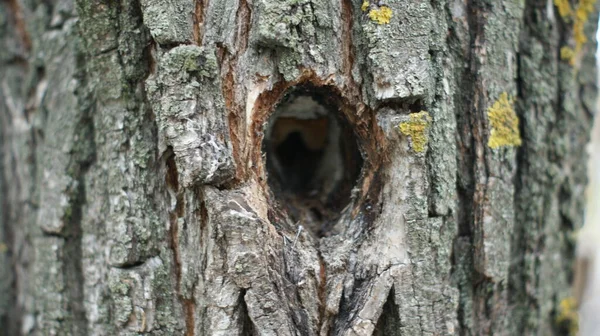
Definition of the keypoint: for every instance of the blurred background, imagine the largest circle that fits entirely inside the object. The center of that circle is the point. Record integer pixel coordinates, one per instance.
(587, 274)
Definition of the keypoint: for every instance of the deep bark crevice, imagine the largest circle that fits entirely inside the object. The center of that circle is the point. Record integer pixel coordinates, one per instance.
(172, 183)
(247, 326)
(516, 281)
(389, 323)
(198, 20)
(348, 49)
(72, 269)
(83, 157)
(405, 105)
(11, 319)
(464, 244)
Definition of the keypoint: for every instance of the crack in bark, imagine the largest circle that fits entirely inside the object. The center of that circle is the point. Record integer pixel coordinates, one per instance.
(247, 327)
(198, 20)
(11, 320)
(19, 22)
(527, 241)
(72, 264)
(228, 60)
(82, 159)
(389, 322)
(471, 189)
(347, 16)
(322, 291)
(172, 182)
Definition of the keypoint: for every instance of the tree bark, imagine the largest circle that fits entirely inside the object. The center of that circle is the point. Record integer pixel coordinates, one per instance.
(136, 197)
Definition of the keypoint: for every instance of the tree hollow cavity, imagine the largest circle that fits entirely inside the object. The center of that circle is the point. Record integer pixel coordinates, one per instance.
(313, 159)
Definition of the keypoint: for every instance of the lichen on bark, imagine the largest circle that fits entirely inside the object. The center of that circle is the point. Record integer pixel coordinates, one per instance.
(134, 194)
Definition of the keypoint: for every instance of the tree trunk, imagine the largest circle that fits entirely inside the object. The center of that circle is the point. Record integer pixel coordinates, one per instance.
(295, 167)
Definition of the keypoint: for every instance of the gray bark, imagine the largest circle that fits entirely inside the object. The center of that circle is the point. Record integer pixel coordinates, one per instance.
(134, 193)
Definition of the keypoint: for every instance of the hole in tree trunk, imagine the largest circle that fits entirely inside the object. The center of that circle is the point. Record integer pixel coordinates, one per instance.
(313, 160)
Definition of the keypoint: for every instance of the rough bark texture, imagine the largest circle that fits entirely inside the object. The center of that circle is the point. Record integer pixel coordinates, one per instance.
(134, 197)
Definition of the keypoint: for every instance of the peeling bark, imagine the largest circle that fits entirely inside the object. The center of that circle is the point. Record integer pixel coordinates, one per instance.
(135, 196)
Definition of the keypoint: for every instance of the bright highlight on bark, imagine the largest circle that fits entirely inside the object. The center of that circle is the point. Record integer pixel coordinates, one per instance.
(580, 17)
(382, 15)
(416, 129)
(504, 123)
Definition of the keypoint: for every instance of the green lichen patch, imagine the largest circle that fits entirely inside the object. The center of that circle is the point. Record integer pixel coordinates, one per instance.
(379, 14)
(191, 59)
(584, 9)
(567, 54)
(504, 123)
(579, 17)
(382, 15)
(416, 128)
(365, 5)
(564, 8)
(567, 315)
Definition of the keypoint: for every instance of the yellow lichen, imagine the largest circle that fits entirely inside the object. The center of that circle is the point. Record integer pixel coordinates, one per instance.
(567, 53)
(580, 17)
(564, 8)
(3, 248)
(381, 15)
(416, 129)
(584, 9)
(504, 123)
(568, 315)
(365, 6)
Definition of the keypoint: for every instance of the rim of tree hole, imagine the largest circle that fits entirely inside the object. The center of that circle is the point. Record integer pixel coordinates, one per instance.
(313, 157)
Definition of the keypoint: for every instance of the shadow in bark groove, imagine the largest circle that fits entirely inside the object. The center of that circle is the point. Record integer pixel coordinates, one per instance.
(247, 326)
(83, 158)
(389, 323)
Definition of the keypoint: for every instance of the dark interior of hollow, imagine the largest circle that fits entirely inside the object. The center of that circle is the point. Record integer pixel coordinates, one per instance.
(299, 163)
(313, 163)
